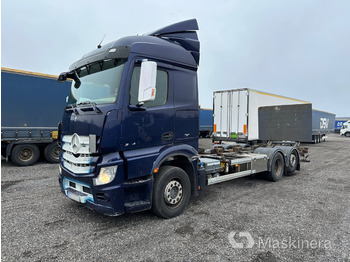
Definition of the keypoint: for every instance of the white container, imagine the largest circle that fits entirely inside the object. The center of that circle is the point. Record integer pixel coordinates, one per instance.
(236, 112)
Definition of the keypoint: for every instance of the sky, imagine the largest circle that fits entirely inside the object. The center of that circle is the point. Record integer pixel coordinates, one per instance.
(294, 48)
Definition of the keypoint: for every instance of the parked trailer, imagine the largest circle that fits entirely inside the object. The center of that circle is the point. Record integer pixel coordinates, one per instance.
(322, 124)
(134, 146)
(294, 123)
(205, 122)
(236, 112)
(31, 107)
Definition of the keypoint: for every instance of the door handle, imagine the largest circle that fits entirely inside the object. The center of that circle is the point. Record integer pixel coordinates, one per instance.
(167, 136)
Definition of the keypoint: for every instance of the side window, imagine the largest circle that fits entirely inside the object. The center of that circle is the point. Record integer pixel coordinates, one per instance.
(161, 88)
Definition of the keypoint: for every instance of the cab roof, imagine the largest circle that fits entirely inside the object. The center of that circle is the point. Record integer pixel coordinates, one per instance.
(177, 43)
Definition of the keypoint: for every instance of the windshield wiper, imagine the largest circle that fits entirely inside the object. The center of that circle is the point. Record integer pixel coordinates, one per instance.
(73, 108)
(94, 106)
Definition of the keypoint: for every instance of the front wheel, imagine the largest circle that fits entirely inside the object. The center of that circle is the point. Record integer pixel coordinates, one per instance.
(171, 192)
(347, 134)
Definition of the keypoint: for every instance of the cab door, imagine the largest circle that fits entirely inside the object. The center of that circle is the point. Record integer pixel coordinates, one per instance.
(147, 128)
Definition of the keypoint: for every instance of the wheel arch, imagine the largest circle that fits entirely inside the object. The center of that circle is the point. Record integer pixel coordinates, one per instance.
(287, 152)
(271, 152)
(184, 157)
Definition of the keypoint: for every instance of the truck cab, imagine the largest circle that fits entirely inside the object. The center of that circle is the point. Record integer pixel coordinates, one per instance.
(345, 129)
(115, 136)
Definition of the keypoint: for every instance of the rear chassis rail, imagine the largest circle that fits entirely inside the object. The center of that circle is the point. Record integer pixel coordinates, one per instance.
(231, 161)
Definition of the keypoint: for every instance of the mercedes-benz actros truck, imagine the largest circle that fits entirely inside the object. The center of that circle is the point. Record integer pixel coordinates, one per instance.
(129, 133)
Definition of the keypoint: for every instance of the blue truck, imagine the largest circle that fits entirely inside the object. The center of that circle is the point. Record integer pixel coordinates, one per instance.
(339, 121)
(205, 122)
(31, 107)
(129, 132)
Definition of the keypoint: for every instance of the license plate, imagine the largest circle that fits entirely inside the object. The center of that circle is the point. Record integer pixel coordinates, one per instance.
(73, 196)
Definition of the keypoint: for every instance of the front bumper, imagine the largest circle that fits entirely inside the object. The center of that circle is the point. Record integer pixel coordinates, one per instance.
(111, 199)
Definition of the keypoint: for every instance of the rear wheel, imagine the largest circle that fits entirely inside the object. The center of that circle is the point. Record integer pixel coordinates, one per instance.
(25, 155)
(171, 192)
(52, 152)
(293, 163)
(277, 168)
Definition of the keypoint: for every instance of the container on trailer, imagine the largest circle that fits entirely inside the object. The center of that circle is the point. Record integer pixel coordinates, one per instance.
(286, 123)
(236, 112)
(294, 123)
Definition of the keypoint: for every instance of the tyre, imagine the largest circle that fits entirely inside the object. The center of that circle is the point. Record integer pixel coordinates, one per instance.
(293, 163)
(347, 134)
(3, 152)
(171, 192)
(277, 168)
(25, 154)
(52, 152)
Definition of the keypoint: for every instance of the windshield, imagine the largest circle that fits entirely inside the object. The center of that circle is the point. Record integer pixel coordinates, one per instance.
(99, 83)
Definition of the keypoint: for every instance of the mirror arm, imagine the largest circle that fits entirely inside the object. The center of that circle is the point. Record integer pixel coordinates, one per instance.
(140, 104)
(136, 108)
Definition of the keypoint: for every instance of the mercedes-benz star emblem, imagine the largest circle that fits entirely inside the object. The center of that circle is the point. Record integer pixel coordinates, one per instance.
(75, 143)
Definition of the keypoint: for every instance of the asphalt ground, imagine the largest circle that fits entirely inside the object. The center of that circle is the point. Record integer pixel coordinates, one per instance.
(305, 217)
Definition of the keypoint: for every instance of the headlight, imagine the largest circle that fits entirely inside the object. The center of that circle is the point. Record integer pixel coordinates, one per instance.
(105, 176)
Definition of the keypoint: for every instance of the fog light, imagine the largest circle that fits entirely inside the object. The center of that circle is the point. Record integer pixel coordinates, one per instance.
(106, 175)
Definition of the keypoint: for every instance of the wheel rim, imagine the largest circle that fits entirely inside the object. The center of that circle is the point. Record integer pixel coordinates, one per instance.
(173, 193)
(278, 167)
(293, 160)
(26, 154)
(56, 151)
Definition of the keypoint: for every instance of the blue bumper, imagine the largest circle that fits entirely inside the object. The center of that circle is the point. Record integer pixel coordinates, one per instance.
(111, 199)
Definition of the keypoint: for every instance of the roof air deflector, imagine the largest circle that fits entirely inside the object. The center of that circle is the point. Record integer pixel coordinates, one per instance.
(182, 33)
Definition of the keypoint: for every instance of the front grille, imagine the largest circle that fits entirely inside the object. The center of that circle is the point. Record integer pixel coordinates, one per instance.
(81, 161)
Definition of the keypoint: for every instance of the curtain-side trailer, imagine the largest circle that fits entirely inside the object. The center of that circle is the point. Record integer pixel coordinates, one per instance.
(31, 107)
(205, 122)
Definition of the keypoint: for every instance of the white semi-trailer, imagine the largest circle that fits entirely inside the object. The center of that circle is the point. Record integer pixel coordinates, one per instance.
(236, 112)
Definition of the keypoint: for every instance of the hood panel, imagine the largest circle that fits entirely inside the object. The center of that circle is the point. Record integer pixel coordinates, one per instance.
(105, 126)
(83, 124)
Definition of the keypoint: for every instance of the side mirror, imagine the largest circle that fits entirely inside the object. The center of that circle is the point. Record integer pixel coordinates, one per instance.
(73, 75)
(62, 77)
(147, 86)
